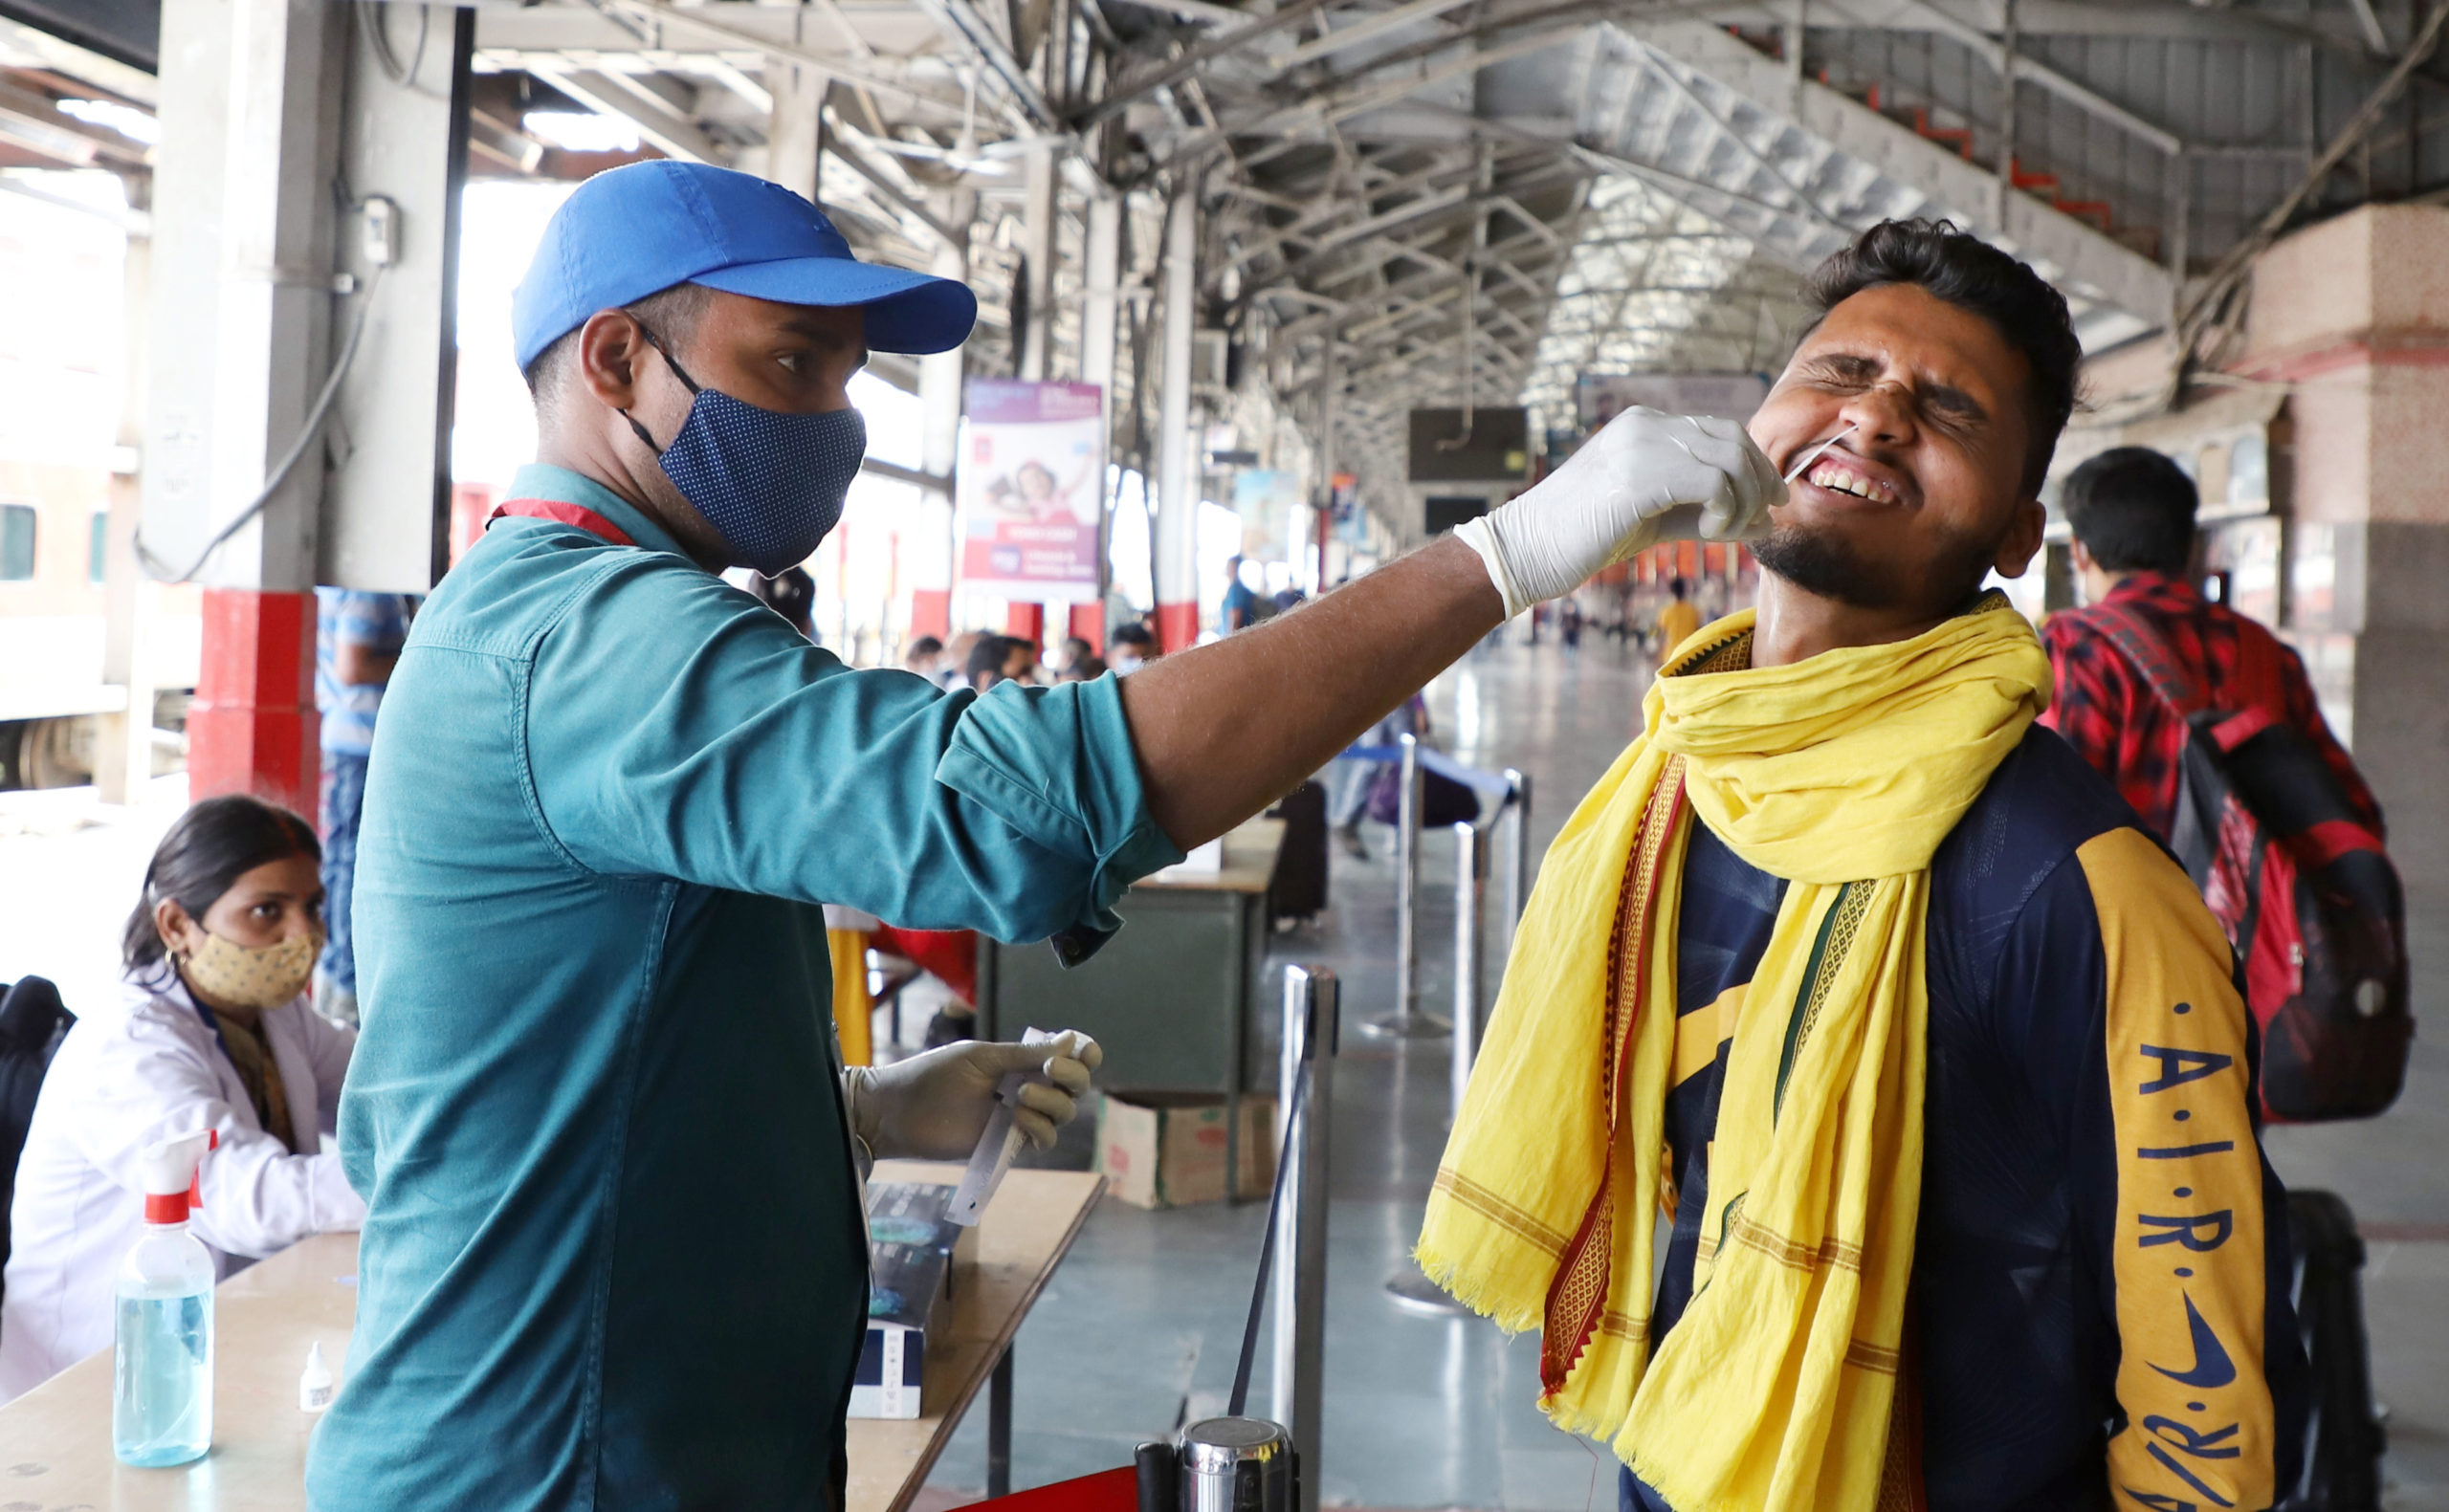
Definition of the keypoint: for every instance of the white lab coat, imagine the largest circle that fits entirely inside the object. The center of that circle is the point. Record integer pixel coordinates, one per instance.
(128, 1075)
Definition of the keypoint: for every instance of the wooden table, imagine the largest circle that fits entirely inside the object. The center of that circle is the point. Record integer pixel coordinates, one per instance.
(1173, 999)
(56, 1440)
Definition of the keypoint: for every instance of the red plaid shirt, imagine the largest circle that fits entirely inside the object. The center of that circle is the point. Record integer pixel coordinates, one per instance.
(2108, 712)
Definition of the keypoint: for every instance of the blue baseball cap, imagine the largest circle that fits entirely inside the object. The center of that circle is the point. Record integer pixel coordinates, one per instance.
(642, 228)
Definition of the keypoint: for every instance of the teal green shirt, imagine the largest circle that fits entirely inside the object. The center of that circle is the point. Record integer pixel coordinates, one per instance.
(614, 1255)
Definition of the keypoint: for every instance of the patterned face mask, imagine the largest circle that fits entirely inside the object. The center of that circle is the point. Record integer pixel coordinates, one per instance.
(251, 976)
(772, 484)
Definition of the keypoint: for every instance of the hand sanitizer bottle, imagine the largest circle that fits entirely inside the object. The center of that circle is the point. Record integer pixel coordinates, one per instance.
(162, 1378)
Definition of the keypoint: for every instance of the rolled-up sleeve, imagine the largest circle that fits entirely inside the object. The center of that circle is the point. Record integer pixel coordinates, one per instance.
(677, 727)
(1017, 753)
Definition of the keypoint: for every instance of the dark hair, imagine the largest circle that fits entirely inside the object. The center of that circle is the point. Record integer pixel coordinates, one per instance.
(1678, 587)
(2133, 508)
(672, 314)
(926, 645)
(989, 656)
(213, 846)
(1974, 276)
(790, 593)
(1131, 634)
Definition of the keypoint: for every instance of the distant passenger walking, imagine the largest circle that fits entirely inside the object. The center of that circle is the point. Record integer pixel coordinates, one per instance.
(358, 638)
(2132, 512)
(1243, 605)
(1677, 621)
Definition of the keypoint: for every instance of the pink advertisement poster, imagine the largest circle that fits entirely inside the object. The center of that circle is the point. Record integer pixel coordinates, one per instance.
(1031, 489)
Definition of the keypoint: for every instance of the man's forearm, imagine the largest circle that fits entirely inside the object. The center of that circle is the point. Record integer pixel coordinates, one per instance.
(1228, 729)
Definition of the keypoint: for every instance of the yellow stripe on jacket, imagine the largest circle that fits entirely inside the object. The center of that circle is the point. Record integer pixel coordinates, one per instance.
(2188, 1258)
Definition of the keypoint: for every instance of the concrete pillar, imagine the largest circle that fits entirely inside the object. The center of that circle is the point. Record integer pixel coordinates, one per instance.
(1037, 245)
(1177, 470)
(385, 511)
(795, 132)
(1103, 255)
(243, 221)
(929, 543)
(2354, 313)
(1329, 412)
(124, 741)
(1099, 312)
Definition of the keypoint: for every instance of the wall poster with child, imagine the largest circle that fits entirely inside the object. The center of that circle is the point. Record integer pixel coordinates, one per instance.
(1032, 491)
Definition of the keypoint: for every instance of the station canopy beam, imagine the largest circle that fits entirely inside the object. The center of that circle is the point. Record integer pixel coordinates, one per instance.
(1593, 186)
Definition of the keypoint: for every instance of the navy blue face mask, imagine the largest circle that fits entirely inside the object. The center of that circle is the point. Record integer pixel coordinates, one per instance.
(771, 483)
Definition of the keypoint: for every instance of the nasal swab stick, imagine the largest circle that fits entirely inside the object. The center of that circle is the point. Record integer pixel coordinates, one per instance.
(1003, 1139)
(1813, 455)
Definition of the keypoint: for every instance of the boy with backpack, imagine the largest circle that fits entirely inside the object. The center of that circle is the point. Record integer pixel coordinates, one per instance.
(2132, 512)
(2207, 725)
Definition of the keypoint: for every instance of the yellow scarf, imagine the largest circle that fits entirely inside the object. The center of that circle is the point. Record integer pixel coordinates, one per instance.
(1841, 774)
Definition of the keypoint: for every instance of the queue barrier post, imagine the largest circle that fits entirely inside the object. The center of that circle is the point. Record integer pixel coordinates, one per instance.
(1407, 1021)
(1408, 1288)
(1313, 1000)
(1517, 852)
(1470, 897)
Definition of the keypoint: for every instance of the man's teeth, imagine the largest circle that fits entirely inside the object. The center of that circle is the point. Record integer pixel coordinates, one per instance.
(1842, 481)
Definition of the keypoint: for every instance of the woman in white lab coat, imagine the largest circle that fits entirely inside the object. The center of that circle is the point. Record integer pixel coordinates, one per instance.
(213, 1032)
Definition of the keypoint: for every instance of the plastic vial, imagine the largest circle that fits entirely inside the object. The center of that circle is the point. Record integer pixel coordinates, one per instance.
(315, 1383)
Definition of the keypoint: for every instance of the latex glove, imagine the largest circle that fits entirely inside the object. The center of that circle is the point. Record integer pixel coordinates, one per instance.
(1610, 498)
(934, 1107)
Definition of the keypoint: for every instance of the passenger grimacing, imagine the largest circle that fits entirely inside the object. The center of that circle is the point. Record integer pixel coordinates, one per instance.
(1867, 980)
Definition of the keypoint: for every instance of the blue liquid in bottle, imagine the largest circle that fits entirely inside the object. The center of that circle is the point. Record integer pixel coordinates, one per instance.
(161, 1398)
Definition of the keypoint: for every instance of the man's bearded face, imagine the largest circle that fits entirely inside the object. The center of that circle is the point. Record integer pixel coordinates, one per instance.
(1926, 495)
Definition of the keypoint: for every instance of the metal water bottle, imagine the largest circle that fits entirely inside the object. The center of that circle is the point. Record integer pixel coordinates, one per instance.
(1238, 1464)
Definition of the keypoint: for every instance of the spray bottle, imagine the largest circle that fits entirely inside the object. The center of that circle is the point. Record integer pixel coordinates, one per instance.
(161, 1379)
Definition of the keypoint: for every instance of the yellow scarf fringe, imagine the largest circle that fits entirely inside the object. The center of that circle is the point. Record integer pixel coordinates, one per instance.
(1841, 774)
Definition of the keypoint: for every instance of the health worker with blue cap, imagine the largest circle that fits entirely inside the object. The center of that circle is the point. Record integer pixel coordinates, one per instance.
(614, 1254)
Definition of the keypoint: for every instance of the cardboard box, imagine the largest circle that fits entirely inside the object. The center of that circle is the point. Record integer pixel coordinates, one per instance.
(1166, 1149)
(910, 1269)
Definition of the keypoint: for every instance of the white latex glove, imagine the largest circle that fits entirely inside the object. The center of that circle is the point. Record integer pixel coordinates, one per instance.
(934, 1107)
(1610, 498)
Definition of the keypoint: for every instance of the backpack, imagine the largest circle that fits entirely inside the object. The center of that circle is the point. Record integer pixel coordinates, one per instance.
(2302, 887)
(32, 1020)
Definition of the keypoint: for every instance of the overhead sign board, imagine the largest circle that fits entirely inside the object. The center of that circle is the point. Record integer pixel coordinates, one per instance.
(1493, 447)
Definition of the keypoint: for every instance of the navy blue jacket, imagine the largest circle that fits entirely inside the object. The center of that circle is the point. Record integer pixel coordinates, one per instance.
(2101, 1313)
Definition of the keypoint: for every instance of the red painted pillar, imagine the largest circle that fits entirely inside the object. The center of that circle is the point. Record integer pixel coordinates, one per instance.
(1026, 620)
(252, 726)
(1176, 627)
(931, 613)
(1088, 624)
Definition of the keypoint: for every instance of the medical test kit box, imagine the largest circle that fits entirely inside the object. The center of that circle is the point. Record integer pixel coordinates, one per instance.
(910, 1270)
